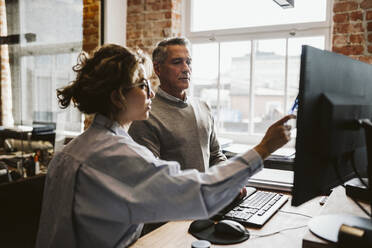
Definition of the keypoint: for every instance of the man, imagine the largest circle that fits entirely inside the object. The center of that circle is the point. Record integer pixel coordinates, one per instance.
(179, 128)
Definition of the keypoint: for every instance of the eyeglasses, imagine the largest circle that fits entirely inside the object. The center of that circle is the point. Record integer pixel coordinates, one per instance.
(146, 83)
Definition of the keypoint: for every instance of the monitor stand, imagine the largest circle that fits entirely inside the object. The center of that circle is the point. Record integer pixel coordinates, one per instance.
(357, 190)
(328, 226)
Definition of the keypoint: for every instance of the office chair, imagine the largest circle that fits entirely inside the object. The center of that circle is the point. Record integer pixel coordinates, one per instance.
(20, 209)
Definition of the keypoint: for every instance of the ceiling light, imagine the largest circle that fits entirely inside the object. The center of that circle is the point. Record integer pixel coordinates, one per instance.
(285, 4)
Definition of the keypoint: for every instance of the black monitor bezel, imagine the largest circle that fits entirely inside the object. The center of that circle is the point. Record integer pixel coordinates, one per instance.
(323, 72)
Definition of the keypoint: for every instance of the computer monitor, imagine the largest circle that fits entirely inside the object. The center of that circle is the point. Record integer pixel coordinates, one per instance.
(334, 92)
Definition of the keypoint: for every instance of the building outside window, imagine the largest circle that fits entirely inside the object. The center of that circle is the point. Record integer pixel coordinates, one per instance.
(246, 58)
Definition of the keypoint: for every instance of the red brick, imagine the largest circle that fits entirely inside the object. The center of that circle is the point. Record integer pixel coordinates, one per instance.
(356, 16)
(135, 2)
(341, 28)
(94, 7)
(147, 33)
(154, 16)
(149, 42)
(133, 9)
(89, 47)
(357, 28)
(168, 15)
(89, 15)
(369, 15)
(339, 40)
(370, 49)
(369, 26)
(357, 38)
(370, 37)
(154, 6)
(164, 24)
(129, 43)
(348, 28)
(96, 23)
(138, 43)
(166, 6)
(135, 18)
(134, 35)
(366, 4)
(344, 6)
(90, 31)
(131, 26)
(85, 24)
(141, 25)
(366, 59)
(340, 18)
(349, 50)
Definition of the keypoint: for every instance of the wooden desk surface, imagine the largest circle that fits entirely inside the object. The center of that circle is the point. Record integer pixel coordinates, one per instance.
(174, 234)
(337, 203)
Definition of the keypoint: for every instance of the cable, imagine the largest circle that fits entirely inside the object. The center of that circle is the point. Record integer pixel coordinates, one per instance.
(288, 212)
(356, 171)
(342, 184)
(360, 206)
(276, 232)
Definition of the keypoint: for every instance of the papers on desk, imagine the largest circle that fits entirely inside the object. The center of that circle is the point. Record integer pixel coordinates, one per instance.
(235, 149)
(224, 142)
(272, 179)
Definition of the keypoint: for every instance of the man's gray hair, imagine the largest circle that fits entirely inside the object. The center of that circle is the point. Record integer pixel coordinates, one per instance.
(159, 55)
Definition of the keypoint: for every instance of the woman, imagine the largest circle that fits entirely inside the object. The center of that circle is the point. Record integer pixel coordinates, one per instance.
(103, 186)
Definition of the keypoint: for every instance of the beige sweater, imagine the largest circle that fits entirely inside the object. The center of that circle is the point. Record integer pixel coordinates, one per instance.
(180, 131)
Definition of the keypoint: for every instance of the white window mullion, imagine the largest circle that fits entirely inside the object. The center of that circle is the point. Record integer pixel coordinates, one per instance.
(286, 78)
(219, 89)
(251, 88)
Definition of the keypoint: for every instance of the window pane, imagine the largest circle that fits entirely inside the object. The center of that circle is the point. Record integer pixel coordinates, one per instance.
(43, 74)
(53, 21)
(43, 62)
(205, 73)
(242, 13)
(269, 81)
(234, 90)
(294, 60)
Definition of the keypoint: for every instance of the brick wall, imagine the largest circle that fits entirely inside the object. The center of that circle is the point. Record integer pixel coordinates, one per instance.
(91, 24)
(150, 21)
(352, 29)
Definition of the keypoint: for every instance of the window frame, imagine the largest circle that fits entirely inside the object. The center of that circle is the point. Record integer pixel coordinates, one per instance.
(19, 83)
(252, 34)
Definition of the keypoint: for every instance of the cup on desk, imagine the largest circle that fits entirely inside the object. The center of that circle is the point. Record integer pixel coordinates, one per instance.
(201, 244)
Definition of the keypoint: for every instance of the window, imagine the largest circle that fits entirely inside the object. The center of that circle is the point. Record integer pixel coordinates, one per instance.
(222, 14)
(246, 66)
(41, 61)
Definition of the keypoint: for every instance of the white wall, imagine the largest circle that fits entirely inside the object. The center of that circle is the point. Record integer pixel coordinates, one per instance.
(115, 19)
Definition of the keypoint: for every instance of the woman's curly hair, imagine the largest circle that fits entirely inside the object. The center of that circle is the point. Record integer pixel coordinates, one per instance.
(112, 67)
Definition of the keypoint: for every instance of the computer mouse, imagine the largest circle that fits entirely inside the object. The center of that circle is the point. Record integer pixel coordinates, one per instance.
(230, 228)
(200, 225)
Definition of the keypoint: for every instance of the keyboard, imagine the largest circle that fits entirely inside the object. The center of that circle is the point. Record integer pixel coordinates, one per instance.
(256, 208)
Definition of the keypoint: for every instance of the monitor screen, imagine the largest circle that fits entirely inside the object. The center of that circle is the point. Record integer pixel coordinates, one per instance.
(334, 91)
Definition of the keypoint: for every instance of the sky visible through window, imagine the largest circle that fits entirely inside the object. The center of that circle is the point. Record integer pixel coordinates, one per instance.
(248, 13)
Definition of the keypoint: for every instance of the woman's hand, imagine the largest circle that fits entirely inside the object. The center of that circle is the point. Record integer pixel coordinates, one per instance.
(277, 135)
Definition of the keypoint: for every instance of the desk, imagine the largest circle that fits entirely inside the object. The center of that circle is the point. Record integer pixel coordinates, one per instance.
(174, 234)
(337, 203)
